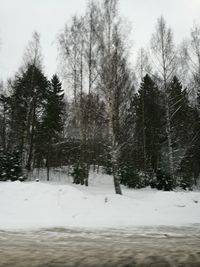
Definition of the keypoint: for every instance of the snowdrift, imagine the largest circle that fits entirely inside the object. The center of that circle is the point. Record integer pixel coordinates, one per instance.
(33, 205)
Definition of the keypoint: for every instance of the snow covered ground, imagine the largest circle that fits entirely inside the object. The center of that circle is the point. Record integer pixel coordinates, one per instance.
(62, 204)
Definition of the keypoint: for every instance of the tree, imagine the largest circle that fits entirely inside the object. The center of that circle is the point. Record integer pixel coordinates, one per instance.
(27, 98)
(143, 65)
(5, 109)
(92, 27)
(189, 167)
(71, 43)
(190, 62)
(149, 125)
(32, 54)
(52, 119)
(164, 53)
(180, 120)
(10, 167)
(28, 94)
(115, 80)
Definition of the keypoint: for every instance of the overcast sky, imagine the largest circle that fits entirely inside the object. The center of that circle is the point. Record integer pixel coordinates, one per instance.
(19, 18)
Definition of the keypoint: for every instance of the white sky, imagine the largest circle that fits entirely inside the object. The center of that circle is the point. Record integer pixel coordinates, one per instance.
(19, 18)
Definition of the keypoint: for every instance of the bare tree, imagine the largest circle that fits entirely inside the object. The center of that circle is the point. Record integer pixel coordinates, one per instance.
(114, 79)
(165, 63)
(143, 65)
(92, 27)
(73, 55)
(95, 57)
(79, 51)
(71, 42)
(190, 62)
(32, 54)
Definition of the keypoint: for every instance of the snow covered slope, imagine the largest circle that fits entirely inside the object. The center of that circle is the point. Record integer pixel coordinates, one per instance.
(33, 205)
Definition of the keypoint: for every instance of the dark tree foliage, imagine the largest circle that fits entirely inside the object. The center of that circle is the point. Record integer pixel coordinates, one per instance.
(190, 167)
(179, 113)
(27, 100)
(52, 120)
(146, 114)
(5, 109)
(181, 116)
(51, 125)
(149, 125)
(10, 167)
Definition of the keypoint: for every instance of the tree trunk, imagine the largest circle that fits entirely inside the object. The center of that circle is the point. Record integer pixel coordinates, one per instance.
(48, 170)
(144, 135)
(30, 154)
(114, 153)
(116, 177)
(169, 140)
(47, 166)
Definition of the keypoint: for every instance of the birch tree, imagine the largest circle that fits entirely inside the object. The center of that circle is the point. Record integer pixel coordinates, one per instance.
(190, 62)
(164, 59)
(114, 79)
(143, 65)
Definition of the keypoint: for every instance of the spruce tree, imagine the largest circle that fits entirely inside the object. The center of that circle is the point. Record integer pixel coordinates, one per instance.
(180, 120)
(10, 167)
(27, 99)
(52, 119)
(190, 167)
(149, 122)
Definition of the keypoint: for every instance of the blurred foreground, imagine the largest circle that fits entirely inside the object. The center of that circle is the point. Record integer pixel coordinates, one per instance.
(144, 247)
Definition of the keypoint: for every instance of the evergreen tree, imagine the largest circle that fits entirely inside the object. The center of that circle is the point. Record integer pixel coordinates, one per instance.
(10, 167)
(5, 109)
(190, 167)
(180, 120)
(52, 119)
(27, 99)
(149, 125)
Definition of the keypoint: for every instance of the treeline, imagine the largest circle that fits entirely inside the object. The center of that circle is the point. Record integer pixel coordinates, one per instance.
(141, 124)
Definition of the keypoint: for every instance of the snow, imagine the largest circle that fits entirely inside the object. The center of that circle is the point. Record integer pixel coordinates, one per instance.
(61, 204)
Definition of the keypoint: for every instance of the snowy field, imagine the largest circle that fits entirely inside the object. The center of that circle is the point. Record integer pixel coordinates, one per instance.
(31, 204)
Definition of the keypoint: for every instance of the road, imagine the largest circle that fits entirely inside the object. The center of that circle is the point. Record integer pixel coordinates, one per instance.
(137, 247)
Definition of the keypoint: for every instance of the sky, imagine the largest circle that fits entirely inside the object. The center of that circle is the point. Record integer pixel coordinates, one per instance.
(20, 18)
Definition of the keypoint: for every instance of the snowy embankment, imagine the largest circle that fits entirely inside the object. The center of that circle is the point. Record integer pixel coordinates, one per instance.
(33, 205)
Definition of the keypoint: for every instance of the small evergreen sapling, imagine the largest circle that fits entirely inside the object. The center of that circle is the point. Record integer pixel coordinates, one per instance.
(10, 167)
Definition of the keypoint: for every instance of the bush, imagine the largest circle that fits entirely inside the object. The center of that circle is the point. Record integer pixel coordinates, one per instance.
(186, 182)
(79, 173)
(162, 181)
(130, 177)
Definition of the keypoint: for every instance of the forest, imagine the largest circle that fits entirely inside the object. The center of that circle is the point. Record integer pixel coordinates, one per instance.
(139, 122)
